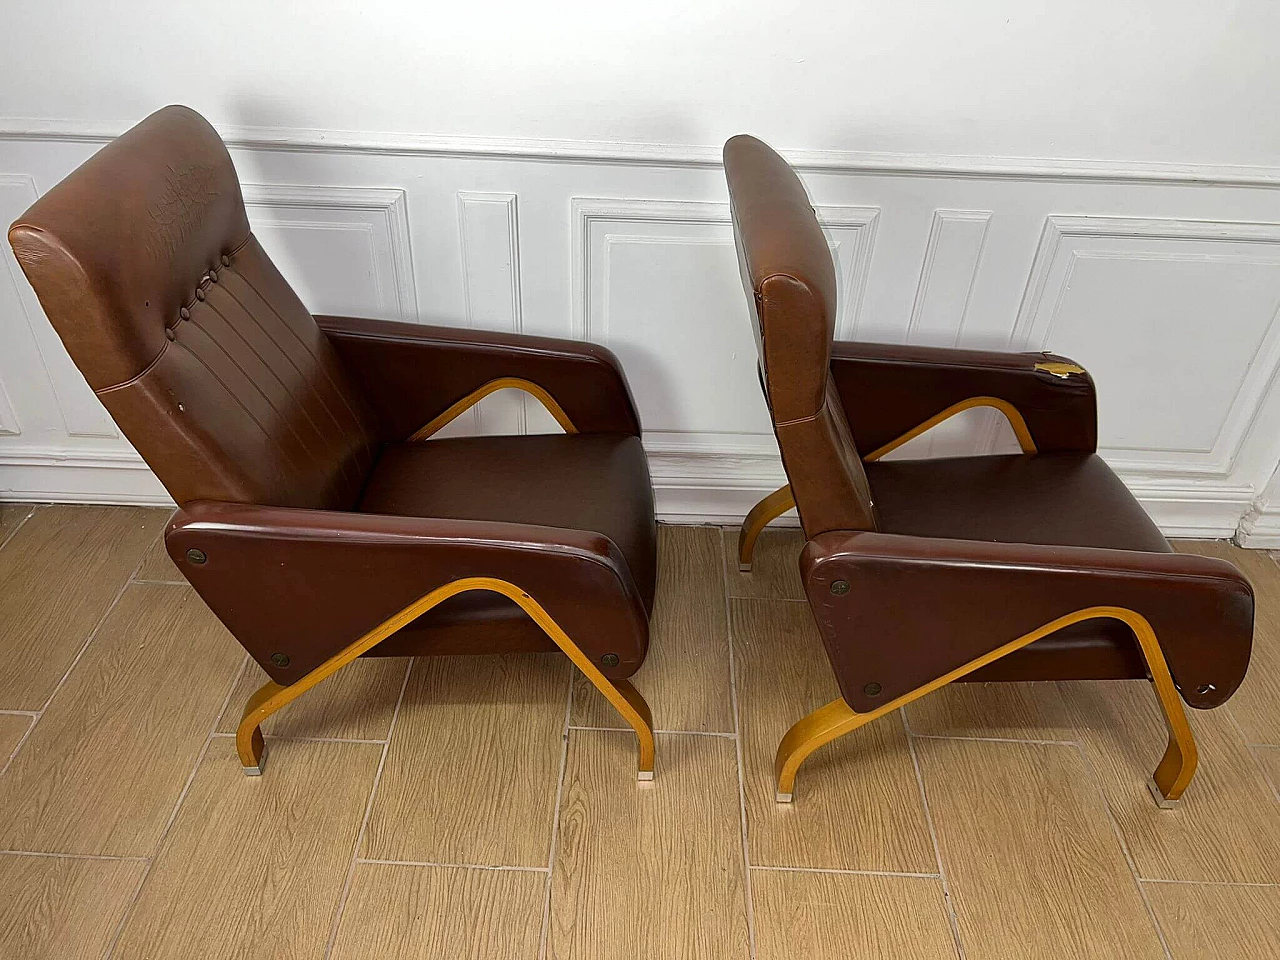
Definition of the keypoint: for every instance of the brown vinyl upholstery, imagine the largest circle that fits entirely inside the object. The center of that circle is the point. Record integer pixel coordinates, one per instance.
(916, 568)
(305, 518)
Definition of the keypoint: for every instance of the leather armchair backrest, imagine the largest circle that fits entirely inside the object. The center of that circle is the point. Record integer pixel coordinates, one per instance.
(217, 374)
(790, 282)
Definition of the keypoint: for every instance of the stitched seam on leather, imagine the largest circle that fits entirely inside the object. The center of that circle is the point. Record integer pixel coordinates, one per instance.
(284, 323)
(252, 382)
(137, 376)
(809, 419)
(347, 464)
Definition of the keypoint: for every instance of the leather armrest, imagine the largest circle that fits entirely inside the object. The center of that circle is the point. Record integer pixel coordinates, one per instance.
(308, 583)
(411, 373)
(918, 607)
(887, 390)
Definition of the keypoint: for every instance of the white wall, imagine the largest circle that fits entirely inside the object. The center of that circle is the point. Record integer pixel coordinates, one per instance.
(1099, 179)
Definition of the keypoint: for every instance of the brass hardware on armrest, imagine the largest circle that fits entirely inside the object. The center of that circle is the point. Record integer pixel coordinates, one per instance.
(1059, 368)
(493, 386)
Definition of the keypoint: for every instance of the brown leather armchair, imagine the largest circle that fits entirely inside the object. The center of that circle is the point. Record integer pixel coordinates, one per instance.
(1036, 566)
(313, 518)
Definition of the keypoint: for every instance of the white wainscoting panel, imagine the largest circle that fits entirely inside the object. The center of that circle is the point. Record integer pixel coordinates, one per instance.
(345, 250)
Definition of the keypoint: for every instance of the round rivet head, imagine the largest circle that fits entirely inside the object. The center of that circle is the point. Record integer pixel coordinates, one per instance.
(168, 332)
(280, 659)
(609, 660)
(213, 276)
(840, 587)
(199, 293)
(226, 261)
(196, 555)
(184, 313)
(872, 689)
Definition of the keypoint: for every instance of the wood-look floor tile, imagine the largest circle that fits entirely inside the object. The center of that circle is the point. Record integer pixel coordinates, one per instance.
(58, 575)
(156, 564)
(11, 516)
(1269, 757)
(857, 803)
(101, 771)
(775, 565)
(254, 866)
(472, 770)
(355, 703)
(1207, 837)
(1031, 857)
(13, 727)
(398, 912)
(1218, 922)
(58, 908)
(1015, 711)
(1256, 705)
(831, 916)
(649, 870)
(685, 676)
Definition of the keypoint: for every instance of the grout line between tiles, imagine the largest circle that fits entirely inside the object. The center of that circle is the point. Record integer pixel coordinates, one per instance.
(943, 736)
(544, 936)
(31, 511)
(368, 811)
(681, 733)
(448, 866)
(20, 713)
(75, 660)
(737, 743)
(289, 738)
(72, 856)
(1210, 883)
(852, 873)
(169, 583)
(933, 837)
(173, 814)
(1124, 848)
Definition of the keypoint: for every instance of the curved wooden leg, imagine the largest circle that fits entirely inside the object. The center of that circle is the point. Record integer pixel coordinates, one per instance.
(249, 743)
(761, 515)
(1178, 765)
(805, 736)
(837, 718)
(272, 696)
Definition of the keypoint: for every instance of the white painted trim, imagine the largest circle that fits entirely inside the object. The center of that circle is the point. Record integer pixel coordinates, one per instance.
(392, 203)
(314, 140)
(691, 485)
(1260, 527)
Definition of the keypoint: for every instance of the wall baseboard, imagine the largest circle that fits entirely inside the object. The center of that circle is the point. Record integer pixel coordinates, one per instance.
(690, 486)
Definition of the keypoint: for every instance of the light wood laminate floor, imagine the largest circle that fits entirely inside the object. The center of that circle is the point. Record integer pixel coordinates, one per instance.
(487, 807)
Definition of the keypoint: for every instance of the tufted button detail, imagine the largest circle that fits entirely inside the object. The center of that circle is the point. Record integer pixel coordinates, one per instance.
(226, 261)
(200, 293)
(168, 332)
(213, 276)
(184, 313)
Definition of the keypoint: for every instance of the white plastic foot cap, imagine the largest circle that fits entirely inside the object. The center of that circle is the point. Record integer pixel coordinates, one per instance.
(744, 567)
(783, 797)
(252, 771)
(1163, 802)
(645, 775)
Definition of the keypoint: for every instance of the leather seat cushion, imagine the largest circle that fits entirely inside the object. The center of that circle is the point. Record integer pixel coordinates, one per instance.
(1069, 499)
(593, 482)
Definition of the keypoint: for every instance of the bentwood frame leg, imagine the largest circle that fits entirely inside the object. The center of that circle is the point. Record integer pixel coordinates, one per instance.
(272, 696)
(837, 718)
